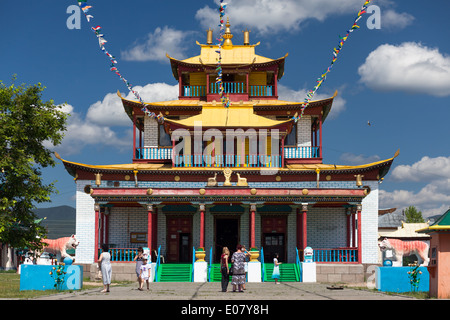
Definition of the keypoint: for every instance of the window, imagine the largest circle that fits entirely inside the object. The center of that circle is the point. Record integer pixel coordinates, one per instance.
(164, 138)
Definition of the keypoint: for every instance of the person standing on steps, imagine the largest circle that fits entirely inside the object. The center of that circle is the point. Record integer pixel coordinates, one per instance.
(276, 268)
(224, 269)
(238, 278)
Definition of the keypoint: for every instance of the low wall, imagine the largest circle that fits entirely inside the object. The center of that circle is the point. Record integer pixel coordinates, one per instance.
(340, 273)
(120, 271)
(37, 277)
(396, 279)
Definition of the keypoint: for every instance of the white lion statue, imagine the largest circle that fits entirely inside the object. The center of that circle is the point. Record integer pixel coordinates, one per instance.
(405, 248)
(60, 246)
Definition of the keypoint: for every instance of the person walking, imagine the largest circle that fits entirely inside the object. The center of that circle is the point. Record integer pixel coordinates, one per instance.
(276, 268)
(238, 260)
(145, 274)
(104, 264)
(139, 258)
(224, 269)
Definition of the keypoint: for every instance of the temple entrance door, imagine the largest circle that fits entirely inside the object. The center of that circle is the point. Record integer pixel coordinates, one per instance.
(179, 230)
(227, 235)
(274, 238)
(184, 247)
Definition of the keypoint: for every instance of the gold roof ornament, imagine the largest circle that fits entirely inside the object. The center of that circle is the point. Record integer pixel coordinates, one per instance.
(228, 36)
(209, 36)
(246, 37)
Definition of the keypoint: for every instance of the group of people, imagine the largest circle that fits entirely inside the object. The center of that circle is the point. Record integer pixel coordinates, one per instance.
(239, 269)
(142, 268)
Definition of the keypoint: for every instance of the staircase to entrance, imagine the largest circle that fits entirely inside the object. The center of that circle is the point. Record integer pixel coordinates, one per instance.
(288, 272)
(174, 272)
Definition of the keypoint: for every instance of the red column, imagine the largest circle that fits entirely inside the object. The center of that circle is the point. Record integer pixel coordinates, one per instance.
(107, 225)
(202, 226)
(96, 237)
(358, 212)
(134, 136)
(320, 137)
(155, 227)
(299, 229)
(353, 229)
(252, 225)
(149, 226)
(348, 228)
(275, 84)
(304, 226)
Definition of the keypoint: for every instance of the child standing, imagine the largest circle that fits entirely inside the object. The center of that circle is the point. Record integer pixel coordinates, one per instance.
(276, 269)
(145, 274)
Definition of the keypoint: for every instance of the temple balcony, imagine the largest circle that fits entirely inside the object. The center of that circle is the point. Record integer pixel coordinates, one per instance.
(234, 90)
(308, 154)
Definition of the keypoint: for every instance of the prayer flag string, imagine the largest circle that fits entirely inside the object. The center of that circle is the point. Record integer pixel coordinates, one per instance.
(310, 94)
(223, 98)
(102, 41)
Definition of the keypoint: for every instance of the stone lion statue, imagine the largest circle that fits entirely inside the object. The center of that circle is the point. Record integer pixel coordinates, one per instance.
(405, 248)
(60, 246)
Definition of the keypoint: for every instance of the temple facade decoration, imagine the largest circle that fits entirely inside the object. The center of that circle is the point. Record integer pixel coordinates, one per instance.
(210, 176)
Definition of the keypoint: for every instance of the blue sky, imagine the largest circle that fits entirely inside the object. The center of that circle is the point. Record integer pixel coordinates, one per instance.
(397, 77)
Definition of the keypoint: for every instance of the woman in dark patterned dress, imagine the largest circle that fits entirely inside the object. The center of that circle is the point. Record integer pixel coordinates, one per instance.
(238, 260)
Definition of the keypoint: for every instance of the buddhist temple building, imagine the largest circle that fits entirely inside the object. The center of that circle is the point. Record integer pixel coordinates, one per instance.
(205, 176)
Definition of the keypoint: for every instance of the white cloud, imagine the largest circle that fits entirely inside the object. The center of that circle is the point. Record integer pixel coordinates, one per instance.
(431, 199)
(409, 67)
(284, 15)
(360, 159)
(391, 19)
(110, 111)
(285, 93)
(426, 169)
(157, 44)
(102, 123)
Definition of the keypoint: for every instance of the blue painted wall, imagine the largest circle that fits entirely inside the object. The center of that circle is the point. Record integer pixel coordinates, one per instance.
(37, 277)
(396, 279)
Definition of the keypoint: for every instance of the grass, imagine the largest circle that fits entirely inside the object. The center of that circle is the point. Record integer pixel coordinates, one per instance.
(10, 287)
(416, 295)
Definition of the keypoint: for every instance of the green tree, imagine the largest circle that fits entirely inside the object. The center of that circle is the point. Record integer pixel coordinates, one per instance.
(413, 215)
(26, 122)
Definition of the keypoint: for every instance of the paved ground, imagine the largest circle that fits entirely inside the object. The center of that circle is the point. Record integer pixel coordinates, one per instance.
(267, 300)
(212, 291)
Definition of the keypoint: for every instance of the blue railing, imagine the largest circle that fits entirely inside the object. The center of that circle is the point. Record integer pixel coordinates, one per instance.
(158, 262)
(228, 160)
(165, 153)
(299, 265)
(122, 254)
(194, 91)
(261, 91)
(154, 153)
(263, 268)
(301, 152)
(193, 264)
(336, 255)
(228, 87)
(210, 265)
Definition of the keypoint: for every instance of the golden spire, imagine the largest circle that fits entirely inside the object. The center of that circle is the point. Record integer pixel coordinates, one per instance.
(209, 36)
(227, 36)
(246, 37)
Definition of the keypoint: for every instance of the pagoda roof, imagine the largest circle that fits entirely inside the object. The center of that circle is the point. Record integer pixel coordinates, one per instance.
(382, 166)
(235, 116)
(238, 56)
(259, 105)
(442, 224)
